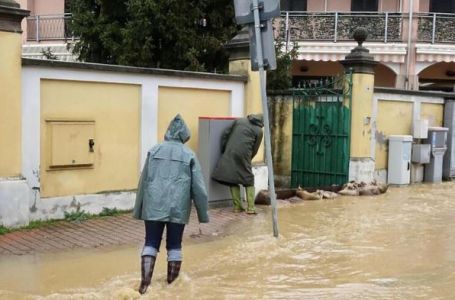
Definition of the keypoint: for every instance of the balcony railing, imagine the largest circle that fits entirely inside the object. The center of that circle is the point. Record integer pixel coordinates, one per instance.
(436, 28)
(339, 26)
(49, 27)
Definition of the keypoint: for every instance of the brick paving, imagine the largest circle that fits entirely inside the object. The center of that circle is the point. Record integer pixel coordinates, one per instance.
(101, 232)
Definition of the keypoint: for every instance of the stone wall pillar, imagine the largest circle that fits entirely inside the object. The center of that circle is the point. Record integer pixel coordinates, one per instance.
(14, 192)
(10, 87)
(361, 63)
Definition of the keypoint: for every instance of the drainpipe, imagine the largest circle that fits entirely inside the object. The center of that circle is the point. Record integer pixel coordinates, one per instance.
(408, 58)
(325, 5)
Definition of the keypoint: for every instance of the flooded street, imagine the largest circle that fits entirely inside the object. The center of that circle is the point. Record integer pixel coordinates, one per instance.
(399, 245)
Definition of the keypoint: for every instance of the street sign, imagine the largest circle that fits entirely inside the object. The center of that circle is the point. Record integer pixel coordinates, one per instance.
(244, 10)
(268, 47)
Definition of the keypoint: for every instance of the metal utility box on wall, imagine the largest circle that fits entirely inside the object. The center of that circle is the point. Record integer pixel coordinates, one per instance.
(449, 122)
(210, 132)
(421, 153)
(71, 144)
(420, 129)
(399, 167)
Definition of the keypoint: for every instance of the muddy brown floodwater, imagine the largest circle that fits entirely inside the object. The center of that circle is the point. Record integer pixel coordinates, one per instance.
(400, 245)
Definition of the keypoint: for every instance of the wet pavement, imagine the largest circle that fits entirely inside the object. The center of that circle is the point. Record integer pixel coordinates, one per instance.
(400, 245)
(100, 232)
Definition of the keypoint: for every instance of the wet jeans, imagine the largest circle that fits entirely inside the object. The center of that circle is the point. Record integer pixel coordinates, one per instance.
(154, 233)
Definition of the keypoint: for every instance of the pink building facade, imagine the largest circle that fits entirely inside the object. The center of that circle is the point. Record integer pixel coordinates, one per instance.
(46, 29)
(412, 39)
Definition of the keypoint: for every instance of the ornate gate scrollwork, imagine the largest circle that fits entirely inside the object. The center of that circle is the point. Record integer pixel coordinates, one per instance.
(321, 133)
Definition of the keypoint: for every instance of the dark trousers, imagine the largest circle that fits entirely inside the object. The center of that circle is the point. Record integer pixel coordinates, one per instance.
(154, 233)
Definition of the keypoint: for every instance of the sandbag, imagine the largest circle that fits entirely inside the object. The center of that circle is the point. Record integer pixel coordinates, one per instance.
(309, 196)
(262, 198)
(328, 195)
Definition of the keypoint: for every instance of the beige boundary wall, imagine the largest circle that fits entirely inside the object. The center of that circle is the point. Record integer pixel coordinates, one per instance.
(394, 112)
(124, 110)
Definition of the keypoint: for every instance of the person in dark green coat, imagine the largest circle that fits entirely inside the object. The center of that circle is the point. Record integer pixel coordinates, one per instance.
(239, 144)
(171, 178)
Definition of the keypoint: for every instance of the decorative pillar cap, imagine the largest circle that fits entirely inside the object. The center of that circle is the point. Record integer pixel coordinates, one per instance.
(10, 3)
(11, 16)
(360, 60)
(239, 46)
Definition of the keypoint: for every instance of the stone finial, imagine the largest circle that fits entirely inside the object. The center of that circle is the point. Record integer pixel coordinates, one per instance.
(11, 16)
(360, 35)
(9, 3)
(239, 46)
(360, 60)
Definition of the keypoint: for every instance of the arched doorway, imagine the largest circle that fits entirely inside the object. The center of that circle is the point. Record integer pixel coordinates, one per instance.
(307, 71)
(438, 77)
(384, 76)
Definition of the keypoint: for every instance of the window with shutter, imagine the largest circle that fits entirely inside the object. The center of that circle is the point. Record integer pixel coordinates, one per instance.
(442, 6)
(364, 5)
(294, 5)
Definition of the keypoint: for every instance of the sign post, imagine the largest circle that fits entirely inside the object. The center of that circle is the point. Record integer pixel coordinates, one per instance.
(251, 12)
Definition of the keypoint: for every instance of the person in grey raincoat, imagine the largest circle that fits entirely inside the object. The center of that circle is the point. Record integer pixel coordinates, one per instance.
(171, 178)
(239, 144)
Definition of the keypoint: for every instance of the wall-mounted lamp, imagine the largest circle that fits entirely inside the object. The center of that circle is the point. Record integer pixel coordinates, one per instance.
(303, 69)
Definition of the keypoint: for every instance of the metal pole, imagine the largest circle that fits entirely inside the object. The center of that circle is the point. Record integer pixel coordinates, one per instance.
(336, 28)
(265, 109)
(408, 57)
(37, 28)
(433, 30)
(386, 26)
(287, 32)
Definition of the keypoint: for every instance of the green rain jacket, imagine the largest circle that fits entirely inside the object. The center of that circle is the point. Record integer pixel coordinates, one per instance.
(171, 178)
(239, 144)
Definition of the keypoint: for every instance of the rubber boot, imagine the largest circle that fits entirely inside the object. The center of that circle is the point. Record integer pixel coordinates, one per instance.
(250, 200)
(147, 266)
(173, 270)
(237, 203)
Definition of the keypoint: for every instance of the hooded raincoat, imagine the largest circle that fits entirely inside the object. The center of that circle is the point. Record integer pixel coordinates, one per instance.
(239, 144)
(171, 178)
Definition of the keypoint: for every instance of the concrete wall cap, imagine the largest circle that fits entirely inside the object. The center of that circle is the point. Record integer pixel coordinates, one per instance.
(130, 69)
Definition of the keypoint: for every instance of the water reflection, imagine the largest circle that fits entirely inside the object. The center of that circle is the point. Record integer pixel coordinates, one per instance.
(400, 245)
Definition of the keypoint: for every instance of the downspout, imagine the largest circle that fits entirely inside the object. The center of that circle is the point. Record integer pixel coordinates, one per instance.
(325, 5)
(408, 57)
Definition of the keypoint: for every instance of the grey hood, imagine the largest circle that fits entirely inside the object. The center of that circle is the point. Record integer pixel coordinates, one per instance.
(177, 130)
(256, 119)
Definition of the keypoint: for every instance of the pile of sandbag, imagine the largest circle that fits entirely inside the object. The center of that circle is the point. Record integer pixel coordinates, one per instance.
(317, 195)
(354, 188)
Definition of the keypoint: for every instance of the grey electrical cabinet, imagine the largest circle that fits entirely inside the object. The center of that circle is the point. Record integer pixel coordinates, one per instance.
(209, 152)
(437, 137)
(449, 122)
(399, 166)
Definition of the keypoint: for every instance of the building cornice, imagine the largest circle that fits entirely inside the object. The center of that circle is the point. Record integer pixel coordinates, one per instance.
(435, 52)
(329, 51)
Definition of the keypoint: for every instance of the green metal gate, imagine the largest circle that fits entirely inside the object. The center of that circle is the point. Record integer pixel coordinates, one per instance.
(321, 133)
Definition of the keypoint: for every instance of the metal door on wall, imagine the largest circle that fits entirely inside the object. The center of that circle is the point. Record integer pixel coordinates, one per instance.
(321, 133)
